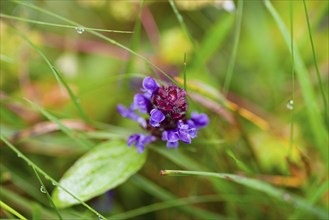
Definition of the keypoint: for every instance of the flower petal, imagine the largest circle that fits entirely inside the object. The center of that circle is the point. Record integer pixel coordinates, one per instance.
(172, 144)
(156, 117)
(129, 113)
(150, 84)
(200, 120)
(141, 103)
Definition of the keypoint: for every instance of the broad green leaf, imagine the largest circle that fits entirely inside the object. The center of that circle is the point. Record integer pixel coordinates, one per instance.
(102, 168)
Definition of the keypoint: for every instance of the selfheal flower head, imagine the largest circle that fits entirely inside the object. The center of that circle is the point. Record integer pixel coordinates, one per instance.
(171, 101)
(166, 108)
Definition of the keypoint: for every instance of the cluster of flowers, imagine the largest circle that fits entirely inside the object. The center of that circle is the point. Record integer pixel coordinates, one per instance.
(166, 107)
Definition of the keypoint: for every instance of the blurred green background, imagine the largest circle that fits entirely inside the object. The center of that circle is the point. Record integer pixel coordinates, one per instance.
(250, 132)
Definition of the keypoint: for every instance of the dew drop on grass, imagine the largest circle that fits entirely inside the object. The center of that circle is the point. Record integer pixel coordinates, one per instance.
(54, 184)
(80, 30)
(43, 189)
(290, 104)
(19, 155)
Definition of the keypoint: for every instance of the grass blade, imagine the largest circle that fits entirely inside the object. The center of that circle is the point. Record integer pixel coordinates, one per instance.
(78, 137)
(60, 25)
(39, 170)
(316, 123)
(11, 210)
(315, 60)
(156, 191)
(61, 81)
(181, 21)
(109, 40)
(230, 68)
(256, 185)
(48, 196)
(168, 204)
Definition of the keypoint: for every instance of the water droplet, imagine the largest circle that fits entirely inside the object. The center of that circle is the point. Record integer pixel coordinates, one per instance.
(286, 197)
(54, 184)
(80, 30)
(43, 189)
(19, 155)
(290, 104)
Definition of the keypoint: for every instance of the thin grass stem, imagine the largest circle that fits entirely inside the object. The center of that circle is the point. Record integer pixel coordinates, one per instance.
(60, 25)
(60, 79)
(107, 39)
(166, 205)
(317, 127)
(47, 194)
(256, 185)
(181, 21)
(230, 69)
(39, 170)
(291, 142)
(185, 71)
(315, 61)
(11, 210)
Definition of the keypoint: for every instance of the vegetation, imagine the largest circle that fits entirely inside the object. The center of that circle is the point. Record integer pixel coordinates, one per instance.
(257, 69)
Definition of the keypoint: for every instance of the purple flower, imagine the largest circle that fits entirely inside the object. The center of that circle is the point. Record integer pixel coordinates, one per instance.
(156, 117)
(166, 107)
(140, 140)
(129, 113)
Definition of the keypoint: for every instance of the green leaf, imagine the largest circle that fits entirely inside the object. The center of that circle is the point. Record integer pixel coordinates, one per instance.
(102, 168)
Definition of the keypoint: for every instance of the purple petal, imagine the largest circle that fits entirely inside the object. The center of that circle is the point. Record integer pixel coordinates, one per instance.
(148, 139)
(141, 103)
(192, 132)
(150, 84)
(140, 149)
(133, 139)
(172, 144)
(140, 140)
(200, 120)
(173, 136)
(123, 111)
(129, 113)
(156, 117)
(185, 137)
(164, 136)
(186, 132)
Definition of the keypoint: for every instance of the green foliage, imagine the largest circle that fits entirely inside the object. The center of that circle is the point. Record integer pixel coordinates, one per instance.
(101, 169)
(65, 65)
